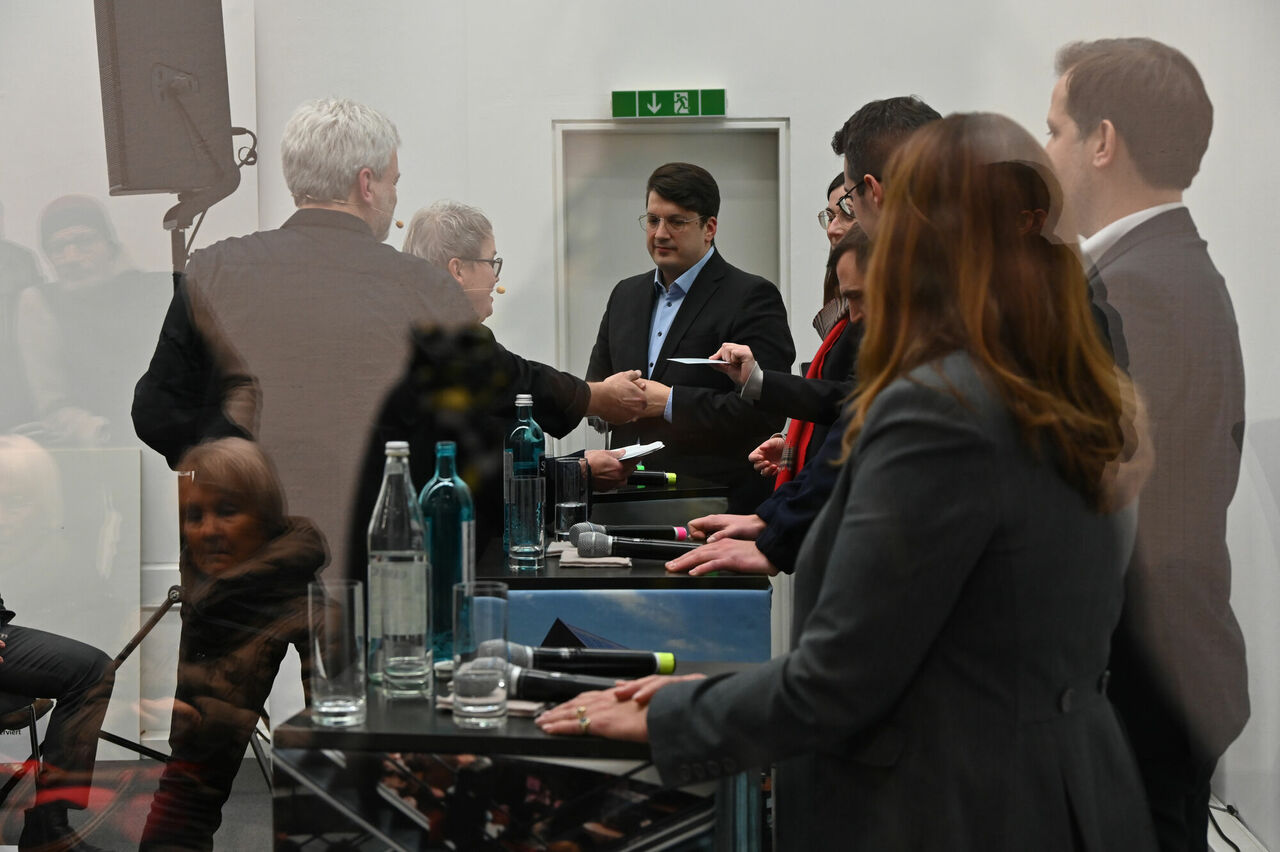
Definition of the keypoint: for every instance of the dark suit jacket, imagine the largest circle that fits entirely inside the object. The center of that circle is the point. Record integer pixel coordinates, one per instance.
(819, 400)
(1174, 330)
(954, 604)
(712, 429)
(789, 511)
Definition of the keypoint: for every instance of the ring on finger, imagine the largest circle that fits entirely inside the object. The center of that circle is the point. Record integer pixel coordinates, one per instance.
(582, 711)
(584, 724)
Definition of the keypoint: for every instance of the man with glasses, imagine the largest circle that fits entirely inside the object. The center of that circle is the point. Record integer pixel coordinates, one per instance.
(686, 307)
(866, 141)
(767, 540)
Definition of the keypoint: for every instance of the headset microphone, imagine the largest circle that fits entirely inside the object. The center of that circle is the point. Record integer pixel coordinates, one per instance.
(399, 222)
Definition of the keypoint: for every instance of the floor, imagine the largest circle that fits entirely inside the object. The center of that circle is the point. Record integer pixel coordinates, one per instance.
(122, 796)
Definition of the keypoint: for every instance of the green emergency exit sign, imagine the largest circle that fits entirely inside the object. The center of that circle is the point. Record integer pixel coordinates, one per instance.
(666, 103)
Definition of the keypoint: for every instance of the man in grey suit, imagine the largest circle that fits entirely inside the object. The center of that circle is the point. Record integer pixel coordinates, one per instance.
(1128, 124)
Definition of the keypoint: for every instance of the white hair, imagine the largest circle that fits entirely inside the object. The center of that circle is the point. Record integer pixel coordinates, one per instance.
(327, 142)
(445, 230)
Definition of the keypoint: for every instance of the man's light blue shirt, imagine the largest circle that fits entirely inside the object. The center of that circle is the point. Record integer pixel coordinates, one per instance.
(664, 313)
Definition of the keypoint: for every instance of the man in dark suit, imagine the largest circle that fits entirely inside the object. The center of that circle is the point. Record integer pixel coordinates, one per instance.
(693, 302)
(1128, 124)
(768, 540)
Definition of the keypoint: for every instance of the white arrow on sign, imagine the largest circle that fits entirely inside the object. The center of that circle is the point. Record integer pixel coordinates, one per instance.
(653, 104)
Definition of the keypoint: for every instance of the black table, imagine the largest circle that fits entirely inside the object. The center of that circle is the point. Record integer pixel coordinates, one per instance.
(641, 574)
(339, 767)
(684, 488)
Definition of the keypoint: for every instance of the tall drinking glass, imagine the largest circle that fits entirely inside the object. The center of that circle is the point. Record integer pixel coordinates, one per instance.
(480, 654)
(571, 495)
(335, 611)
(406, 630)
(525, 535)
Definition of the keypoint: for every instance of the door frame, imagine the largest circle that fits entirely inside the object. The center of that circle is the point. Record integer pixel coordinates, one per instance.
(563, 127)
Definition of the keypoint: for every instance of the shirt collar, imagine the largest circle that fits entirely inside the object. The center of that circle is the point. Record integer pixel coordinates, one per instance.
(1106, 237)
(685, 281)
(319, 216)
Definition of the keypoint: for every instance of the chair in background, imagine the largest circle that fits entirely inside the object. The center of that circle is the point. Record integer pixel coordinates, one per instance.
(18, 712)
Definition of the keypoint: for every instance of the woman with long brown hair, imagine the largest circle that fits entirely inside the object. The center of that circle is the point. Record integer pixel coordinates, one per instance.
(955, 599)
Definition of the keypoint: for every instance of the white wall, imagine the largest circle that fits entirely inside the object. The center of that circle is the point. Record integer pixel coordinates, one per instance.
(474, 88)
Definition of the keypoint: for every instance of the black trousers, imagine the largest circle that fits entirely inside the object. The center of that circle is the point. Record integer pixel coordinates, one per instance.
(79, 677)
(1176, 779)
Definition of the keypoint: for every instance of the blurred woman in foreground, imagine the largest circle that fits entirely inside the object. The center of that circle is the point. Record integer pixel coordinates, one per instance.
(956, 597)
(245, 567)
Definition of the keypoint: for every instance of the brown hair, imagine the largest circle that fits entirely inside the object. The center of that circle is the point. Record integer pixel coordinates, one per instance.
(239, 467)
(953, 268)
(1153, 96)
(854, 240)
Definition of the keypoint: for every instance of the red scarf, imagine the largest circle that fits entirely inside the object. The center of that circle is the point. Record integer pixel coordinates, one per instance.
(796, 448)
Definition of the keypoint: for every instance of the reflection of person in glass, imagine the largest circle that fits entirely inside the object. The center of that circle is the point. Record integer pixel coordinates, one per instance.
(81, 369)
(955, 599)
(245, 566)
(44, 665)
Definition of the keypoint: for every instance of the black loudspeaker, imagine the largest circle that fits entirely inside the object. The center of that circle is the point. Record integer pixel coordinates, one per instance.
(165, 109)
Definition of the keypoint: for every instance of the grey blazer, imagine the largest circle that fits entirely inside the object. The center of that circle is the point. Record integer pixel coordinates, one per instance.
(1178, 650)
(946, 687)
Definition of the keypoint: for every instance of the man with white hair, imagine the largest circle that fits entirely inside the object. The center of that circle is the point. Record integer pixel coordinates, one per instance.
(295, 336)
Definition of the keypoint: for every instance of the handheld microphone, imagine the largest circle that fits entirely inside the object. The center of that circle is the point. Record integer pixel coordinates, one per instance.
(656, 532)
(593, 544)
(533, 685)
(605, 662)
(651, 477)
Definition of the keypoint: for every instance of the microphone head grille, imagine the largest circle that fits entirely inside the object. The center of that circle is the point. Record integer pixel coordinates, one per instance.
(578, 529)
(593, 545)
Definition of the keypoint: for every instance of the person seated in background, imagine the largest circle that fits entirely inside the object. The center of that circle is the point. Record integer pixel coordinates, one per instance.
(692, 301)
(39, 664)
(81, 370)
(244, 568)
(955, 599)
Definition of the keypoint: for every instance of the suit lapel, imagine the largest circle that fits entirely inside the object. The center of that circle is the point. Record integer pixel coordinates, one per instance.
(1172, 223)
(1175, 224)
(701, 292)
